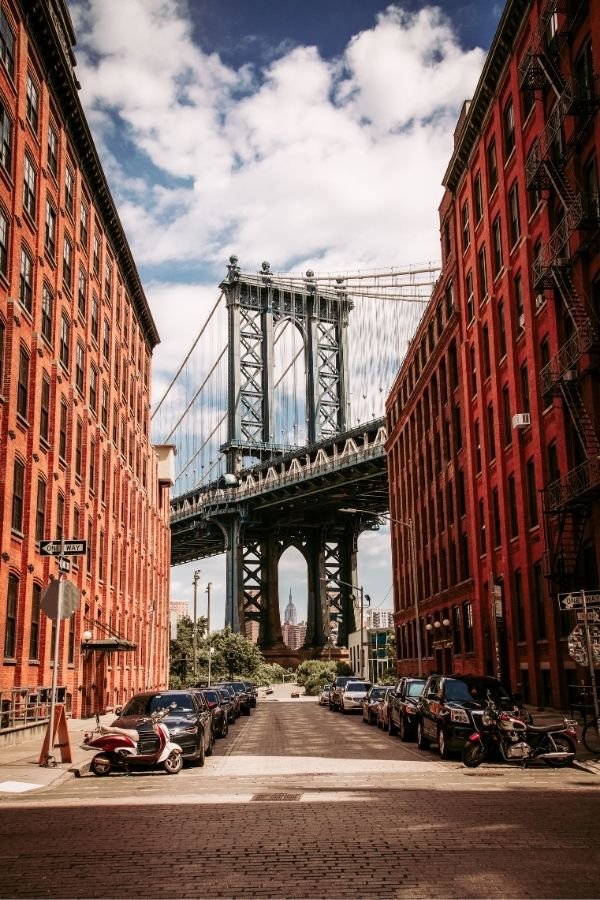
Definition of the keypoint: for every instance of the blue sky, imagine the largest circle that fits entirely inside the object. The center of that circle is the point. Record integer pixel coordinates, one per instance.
(292, 131)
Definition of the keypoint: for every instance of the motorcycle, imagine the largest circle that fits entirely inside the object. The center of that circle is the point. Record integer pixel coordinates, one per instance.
(519, 741)
(122, 749)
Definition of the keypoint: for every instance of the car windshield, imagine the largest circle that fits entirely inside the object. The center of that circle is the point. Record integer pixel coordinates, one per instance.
(238, 686)
(475, 689)
(226, 690)
(376, 693)
(415, 688)
(357, 686)
(211, 696)
(146, 704)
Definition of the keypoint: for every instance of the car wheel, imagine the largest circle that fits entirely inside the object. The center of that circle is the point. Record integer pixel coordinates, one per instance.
(422, 741)
(393, 729)
(224, 727)
(379, 722)
(403, 729)
(200, 753)
(173, 763)
(101, 765)
(473, 754)
(442, 743)
(211, 740)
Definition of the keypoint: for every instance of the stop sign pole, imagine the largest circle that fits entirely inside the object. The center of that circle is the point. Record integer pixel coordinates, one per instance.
(588, 642)
(50, 759)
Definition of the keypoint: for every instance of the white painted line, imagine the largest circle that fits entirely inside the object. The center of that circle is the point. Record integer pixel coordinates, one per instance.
(17, 787)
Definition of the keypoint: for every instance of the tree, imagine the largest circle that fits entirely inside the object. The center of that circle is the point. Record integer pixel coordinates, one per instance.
(182, 651)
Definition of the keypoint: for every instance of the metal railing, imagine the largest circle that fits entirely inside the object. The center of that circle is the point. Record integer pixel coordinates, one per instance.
(567, 357)
(580, 480)
(28, 705)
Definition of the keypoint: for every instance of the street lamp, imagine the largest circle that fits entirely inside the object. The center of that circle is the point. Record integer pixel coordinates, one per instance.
(208, 587)
(195, 632)
(363, 596)
(413, 565)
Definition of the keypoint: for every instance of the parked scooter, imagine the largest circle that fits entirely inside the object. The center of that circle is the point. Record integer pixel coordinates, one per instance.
(123, 749)
(518, 741)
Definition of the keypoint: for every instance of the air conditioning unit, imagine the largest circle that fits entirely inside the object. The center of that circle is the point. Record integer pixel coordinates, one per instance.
(540, 300)
(521, 321)
(521, 420)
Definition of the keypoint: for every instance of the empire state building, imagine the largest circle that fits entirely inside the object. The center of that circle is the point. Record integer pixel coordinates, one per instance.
(290, 616)
(294, 633)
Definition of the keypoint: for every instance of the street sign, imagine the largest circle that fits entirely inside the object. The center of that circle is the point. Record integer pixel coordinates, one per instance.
(576, 643)
(567, 602)
(591, 615)
(71, 599)
(64, 565)
(70, 548)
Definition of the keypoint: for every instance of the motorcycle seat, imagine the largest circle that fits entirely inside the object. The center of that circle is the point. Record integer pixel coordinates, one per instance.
(128, 732)
(545, 728)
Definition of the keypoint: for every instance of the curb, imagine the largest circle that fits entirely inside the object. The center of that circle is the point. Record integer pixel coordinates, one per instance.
(80, 769)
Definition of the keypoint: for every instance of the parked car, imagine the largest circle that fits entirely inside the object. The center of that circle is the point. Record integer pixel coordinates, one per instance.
(227, 704)
(402, 707)
(252, 692)
(451, 704)
(324, 695)
(353, 694)
(213, 699)
(234, 698)
(335, 695)
(383, 710)
(371, 702)
(190, 722)
(243, 696)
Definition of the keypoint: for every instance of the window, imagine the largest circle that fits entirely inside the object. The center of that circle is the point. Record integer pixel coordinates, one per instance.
(460, 492)
(457, 428)
(18, 495)
(47, 311)
(477, 438)
(449, 307)
(40, 511)
(32, 103)
(60, 517)
(50, 231)
(482, 272)
(68, 264)
(108, 269)
(482, 539)
(69, 190)
(82, 293)
(553, 467)
(78, 447)
(79, 366)
(506, 417)
(477, 198)
(496, 515)
(512, 503)
(525, 387)
(466, 232)
(486, 351)
(7, 45)
(497, 259)
(29, 187)
(5, 140)
(470, 299)
(103, 478)
(508, 123)
(492, 164)
(96, 254)
(52, 151)
(94, 389)
(90, 535)
(501, 330)
(104, 408)
(514, 222)
(531, 494)
(92, 467)
(23, 384)
(534, 194)
(65, 339)
(34, 625)
(26, 280)
(62, 430)
(10, 634)
(468, 624)
(106, 341)
(45, 408)
(84, 220)
(3, 243)
(491, 433)
(2, 340)
(473, 370)
(519, 301)
(95, 318)
(456, 629)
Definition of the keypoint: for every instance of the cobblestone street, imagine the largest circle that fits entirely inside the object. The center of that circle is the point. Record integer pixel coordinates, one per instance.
(302, 802)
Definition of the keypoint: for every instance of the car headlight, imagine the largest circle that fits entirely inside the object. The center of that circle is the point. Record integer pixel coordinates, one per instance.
(459, 715)
(188, 729)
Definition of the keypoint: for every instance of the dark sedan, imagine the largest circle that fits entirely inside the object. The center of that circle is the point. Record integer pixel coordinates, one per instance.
(189, 720)
(252, 691)
(216, 703)
(370, 704)
(239, 689)
(234, 712)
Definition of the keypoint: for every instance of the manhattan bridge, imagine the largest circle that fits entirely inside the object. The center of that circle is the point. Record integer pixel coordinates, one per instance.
(277, 417)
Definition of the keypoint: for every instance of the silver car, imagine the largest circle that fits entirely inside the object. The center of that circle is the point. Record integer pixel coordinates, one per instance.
(353, 694)
(324, 695)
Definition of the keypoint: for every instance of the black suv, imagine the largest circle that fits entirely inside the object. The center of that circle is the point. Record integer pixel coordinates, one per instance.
(449, 706)
(239, 689)
(402, 707)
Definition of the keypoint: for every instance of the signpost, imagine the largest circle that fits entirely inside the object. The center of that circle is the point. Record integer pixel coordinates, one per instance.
(584, 640)
(59, 602)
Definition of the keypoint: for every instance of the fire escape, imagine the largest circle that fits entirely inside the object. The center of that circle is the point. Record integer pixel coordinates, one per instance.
(550, 168)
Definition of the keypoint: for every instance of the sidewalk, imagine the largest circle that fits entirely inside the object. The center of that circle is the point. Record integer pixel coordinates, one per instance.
(20, 771)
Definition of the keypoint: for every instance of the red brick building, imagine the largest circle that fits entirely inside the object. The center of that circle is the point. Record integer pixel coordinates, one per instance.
(76, 340)
(497, 466)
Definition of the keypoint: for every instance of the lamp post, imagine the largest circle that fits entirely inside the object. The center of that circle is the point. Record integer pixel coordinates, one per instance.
(208, 587)
(195, 631)
(362, 607)
(413, 566)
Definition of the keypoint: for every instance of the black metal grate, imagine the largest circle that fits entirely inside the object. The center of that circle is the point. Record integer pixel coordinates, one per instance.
(275, 797)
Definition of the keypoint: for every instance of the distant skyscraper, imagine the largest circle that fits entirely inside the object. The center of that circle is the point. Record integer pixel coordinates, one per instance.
(380, 618)
(290, 616)
(179, 609)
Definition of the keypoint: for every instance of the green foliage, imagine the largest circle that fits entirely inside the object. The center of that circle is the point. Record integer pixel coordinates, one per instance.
(182, 651)
(233, 657)
(268, 673)
(389, 677)
(342, 668)
(315, 667)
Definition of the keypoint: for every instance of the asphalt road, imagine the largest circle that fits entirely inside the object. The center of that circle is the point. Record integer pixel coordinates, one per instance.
(302, 802)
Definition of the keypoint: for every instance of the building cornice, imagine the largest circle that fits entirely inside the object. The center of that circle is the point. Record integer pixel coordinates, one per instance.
(49, 26)
(500, 52)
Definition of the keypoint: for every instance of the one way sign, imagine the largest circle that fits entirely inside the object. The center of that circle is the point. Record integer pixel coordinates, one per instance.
(70, 548)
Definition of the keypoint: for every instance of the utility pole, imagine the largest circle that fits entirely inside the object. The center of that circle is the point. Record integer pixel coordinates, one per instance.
(195, 632)
(208, 587)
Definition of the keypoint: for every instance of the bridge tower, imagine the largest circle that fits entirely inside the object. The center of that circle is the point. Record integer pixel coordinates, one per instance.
(256, 305)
